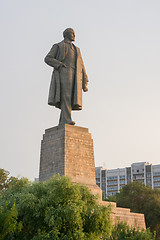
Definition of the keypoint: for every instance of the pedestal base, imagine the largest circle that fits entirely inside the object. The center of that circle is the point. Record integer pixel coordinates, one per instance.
(68, 150)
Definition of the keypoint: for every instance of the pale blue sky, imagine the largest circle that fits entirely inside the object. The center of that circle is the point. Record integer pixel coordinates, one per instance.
(120, 45)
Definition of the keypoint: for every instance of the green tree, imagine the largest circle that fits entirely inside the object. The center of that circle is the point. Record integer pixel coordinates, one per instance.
(111, 199)
(142, 199)
(56, 209)
(123, 232)
(8, 222)
(5, 180)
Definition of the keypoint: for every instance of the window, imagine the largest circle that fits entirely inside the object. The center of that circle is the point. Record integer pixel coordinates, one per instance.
(156, 174)
(122, 181)
(111, 193)
(148, 175)
(140, 176)
(112, 178)
(149, 180)
(112, 183)
(103, 179)
(122, 177)
(112, 188)
(156, 184)
(156, 179)
(103, 173)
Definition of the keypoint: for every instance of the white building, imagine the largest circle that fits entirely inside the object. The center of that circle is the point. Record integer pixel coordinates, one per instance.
(112, 180)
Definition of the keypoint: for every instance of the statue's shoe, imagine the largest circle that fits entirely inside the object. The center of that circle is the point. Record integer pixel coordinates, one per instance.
(72, 123)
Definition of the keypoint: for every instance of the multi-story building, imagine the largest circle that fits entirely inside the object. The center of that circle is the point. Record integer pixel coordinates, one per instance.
(112, 180)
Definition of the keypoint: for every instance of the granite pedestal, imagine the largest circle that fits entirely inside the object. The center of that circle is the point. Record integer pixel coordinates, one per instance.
(68, 150)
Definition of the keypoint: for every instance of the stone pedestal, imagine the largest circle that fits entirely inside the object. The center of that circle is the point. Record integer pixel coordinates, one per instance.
(68, 150)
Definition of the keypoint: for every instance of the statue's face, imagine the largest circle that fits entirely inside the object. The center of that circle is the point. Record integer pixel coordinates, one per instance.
(71, 35)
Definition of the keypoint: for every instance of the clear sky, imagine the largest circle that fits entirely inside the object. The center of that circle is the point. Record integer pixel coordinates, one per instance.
(120, 45)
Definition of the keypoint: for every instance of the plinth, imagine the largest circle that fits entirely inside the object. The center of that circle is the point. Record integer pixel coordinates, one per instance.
(68, 150)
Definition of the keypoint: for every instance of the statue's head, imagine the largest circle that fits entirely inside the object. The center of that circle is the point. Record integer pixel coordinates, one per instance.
(69, 33)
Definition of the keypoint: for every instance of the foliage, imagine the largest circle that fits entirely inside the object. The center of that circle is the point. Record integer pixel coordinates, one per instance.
(122, 232)
(111, 198)
(8, 220)
(5, 180)
(59, 210)
(142, 199)
(56, 209)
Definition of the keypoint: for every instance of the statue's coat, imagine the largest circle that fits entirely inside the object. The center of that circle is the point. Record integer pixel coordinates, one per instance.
(54, 58)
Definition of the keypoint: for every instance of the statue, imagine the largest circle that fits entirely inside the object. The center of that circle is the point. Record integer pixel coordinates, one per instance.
(68, 78)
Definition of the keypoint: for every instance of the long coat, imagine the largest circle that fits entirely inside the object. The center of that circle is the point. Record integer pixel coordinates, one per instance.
(54, 58)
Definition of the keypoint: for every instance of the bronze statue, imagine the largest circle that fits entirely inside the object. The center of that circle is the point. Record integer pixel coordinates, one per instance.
(68, 78)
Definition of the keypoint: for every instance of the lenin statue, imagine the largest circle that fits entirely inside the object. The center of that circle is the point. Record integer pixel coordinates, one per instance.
(68, 78)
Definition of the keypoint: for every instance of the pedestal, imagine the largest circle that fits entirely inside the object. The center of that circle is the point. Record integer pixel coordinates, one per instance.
(68, 150)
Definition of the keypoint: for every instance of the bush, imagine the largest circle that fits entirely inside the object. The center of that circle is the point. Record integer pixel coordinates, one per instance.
(122, 232)
(59, 210)
(142, 199)
(56, 209)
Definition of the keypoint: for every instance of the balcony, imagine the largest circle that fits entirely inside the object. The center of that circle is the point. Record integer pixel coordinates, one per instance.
(138, 177)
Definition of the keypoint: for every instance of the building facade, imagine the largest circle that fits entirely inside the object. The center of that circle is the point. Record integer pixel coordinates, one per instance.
(112, 180)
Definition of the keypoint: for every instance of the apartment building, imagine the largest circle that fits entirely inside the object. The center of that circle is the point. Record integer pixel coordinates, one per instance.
(112, 180)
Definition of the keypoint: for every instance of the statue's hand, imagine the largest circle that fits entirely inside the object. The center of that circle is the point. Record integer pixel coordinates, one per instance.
(85, 89)
(62, 65)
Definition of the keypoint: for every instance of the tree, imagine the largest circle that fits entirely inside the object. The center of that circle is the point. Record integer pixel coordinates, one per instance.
(142, 199)
(111, 199)
(5, 180)
(57, 209)
(123, 232)
(8, 220)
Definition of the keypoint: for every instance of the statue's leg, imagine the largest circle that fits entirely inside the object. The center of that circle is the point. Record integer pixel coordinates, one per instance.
(67, 81)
